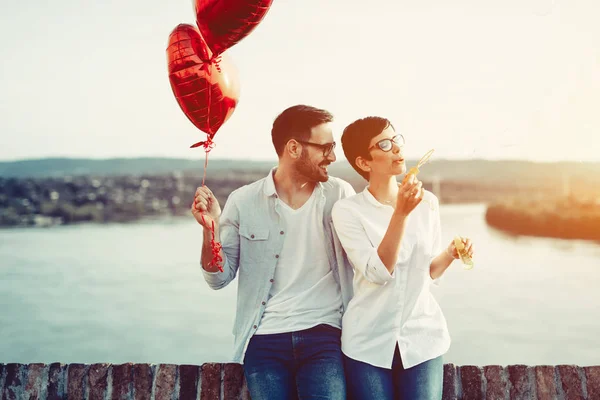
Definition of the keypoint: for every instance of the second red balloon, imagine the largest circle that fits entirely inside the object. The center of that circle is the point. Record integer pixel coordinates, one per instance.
(224, 23)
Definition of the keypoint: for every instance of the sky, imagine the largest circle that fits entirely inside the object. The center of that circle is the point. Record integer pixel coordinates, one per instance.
(511, 79)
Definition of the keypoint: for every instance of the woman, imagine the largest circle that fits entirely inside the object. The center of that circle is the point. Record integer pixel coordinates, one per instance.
(393, 333)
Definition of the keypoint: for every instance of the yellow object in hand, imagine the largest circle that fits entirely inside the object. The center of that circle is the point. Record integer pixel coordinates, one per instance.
(464, 257)
(415, 170)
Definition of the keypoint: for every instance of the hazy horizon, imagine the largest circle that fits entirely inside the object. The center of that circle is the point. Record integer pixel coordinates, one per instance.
(516, 80)
(274, 160)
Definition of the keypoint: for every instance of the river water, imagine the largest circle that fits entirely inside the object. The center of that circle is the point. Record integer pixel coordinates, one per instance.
(134, 293)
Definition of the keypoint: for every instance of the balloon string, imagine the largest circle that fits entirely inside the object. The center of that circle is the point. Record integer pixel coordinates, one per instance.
(216, 248)
(208, 145)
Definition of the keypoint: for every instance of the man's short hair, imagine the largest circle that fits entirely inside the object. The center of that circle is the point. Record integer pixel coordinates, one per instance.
(296, 122)
(357, 137)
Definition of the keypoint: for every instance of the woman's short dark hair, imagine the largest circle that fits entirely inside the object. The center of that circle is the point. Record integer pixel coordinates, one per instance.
(357, 137)
(296, 122)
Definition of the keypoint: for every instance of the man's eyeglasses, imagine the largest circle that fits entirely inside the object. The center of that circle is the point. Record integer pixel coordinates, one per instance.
(327, 147)
(387, 144)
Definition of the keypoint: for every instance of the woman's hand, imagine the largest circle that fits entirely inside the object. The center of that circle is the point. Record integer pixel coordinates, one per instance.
(453, 251)
(410, 194)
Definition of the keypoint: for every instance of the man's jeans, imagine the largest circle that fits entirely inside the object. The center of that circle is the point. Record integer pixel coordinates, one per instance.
(306, 364)
(423, 381)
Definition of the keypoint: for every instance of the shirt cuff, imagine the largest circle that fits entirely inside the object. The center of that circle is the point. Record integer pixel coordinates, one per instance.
(376, 272)
(217, 278)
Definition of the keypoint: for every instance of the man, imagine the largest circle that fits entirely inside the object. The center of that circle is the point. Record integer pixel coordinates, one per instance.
(294, 279)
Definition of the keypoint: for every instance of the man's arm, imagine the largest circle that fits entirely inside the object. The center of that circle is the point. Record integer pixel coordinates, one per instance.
(207, 212)
(207, 257)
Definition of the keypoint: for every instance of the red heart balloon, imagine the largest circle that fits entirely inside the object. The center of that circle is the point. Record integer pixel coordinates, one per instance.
(206, 88)
(223, 23)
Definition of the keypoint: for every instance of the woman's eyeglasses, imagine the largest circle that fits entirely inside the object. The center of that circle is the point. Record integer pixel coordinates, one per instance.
(388, 144)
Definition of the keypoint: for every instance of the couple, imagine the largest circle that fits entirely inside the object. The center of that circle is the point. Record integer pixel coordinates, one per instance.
(312, 257)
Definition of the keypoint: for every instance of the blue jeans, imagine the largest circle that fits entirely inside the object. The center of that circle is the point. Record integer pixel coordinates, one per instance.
(423, 381)
(307, 364)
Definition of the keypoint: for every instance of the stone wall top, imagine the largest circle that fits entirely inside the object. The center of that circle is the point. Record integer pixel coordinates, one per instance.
(213, 381)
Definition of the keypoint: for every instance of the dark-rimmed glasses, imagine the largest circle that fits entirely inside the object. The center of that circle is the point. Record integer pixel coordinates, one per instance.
(327, 147)
(388, 144)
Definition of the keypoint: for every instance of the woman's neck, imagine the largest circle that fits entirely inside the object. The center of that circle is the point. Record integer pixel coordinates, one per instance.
(384, 189)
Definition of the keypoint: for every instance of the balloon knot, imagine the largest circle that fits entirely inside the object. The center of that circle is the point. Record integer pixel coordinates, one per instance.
(208, 144)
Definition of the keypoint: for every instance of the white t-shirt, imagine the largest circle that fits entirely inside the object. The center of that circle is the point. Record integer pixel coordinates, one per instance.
(391, 308)
(304, 292)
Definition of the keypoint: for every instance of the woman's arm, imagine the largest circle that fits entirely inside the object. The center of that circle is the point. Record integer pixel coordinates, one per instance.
(362, 254)
(389, 248)
(439, 264)
(348, 225)
(410, 194)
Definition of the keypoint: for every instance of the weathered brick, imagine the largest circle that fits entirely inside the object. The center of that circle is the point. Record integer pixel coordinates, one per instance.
(497, 385)
(189, 375)
(570, 381)
(57, 374)
(545, 382)
(98, 381)
(521, 388)
(592, 376)
(13, 381)
(450, 391)
(76, 381)
(36, 381)
(122, 381)
(233, 382)
(142, 381)
(166, 375)
(471, 382)
(211, 381)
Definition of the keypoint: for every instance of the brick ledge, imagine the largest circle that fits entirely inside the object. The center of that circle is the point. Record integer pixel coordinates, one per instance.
(214, 381)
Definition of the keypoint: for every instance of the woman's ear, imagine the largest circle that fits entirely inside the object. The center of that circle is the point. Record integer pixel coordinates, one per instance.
(363, 164)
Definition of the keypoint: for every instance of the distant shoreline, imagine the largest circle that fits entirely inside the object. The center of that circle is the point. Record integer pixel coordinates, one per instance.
(564, 218)
(100, 199)
(66, 191)
(94, 199)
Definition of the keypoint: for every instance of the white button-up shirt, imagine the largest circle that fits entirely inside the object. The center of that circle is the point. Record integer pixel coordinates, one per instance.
(391, 308)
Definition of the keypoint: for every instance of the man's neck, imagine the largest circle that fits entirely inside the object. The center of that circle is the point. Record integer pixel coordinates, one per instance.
(292, 188)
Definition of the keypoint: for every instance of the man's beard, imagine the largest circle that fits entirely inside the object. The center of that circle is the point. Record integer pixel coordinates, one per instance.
(309, 170)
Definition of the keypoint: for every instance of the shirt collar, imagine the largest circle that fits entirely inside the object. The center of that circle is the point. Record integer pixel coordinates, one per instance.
(269, 187)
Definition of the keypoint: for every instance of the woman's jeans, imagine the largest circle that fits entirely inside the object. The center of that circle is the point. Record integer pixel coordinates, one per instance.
(307, 364)
(423, 381)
